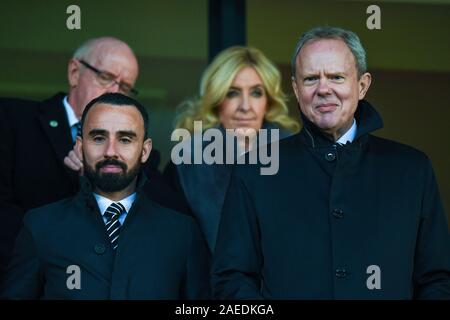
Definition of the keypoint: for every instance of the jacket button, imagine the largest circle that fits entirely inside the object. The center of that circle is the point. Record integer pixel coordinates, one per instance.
(341, 273)
(338, 214)
(100, 248)
(330, 156)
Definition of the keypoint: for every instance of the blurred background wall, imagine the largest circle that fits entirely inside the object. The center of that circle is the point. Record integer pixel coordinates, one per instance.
(409, 57)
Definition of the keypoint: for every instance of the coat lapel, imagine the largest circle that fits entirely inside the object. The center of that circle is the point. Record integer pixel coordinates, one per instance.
(53, 120)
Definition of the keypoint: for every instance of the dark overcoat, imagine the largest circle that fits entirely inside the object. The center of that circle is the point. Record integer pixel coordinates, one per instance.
(359, 221)
(161, 254)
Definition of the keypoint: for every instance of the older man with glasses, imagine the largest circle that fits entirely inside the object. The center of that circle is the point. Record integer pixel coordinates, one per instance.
(107, 79)
(37, 136)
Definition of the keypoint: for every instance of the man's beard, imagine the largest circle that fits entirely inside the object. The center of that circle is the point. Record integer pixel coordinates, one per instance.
(111, 182)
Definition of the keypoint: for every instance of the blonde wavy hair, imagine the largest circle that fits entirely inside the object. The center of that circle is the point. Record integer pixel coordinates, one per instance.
(216, 81)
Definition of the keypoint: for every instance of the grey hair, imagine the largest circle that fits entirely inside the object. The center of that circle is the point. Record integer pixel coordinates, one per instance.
(350, 38)
(85, 50)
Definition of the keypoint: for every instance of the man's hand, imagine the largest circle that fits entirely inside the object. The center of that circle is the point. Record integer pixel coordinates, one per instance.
(74, 161)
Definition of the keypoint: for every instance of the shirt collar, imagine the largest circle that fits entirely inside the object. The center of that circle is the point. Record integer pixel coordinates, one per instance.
(104, 203)
(70, 113)
(349, 135)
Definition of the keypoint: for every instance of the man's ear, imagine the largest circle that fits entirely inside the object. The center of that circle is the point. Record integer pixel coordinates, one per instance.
(73, 72)
(147, 148)
(364, 84)
(79, 147)
(294, 86)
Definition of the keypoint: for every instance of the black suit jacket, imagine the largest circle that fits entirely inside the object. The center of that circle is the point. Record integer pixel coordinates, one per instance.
(32, 172)
(36, 139)
(161, 253)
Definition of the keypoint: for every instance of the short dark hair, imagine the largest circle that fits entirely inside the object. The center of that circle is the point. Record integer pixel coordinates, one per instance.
(117, 99)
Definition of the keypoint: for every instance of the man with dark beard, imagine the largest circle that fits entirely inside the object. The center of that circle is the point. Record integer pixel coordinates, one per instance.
(110, 241)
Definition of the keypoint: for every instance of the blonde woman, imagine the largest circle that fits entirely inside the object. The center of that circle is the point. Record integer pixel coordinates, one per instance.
(240, 89)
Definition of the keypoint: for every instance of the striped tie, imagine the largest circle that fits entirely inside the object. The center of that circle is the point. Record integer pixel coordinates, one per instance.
(112, 214)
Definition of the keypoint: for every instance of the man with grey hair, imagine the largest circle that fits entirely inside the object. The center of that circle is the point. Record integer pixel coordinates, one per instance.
(38, 135)
(349, 215)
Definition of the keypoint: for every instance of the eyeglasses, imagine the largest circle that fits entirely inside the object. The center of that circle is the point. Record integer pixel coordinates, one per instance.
(107, 79)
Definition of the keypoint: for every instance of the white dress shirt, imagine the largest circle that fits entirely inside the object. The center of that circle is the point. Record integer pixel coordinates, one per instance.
(349, 135)
(104, 203)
